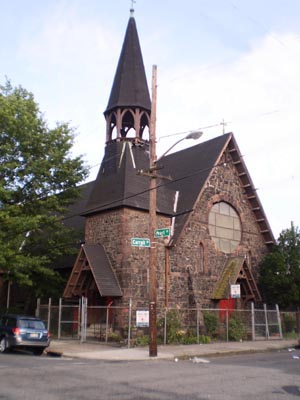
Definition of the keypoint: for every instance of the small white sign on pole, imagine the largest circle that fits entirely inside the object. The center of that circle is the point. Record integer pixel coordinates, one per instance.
(142, 318)
(235, 291)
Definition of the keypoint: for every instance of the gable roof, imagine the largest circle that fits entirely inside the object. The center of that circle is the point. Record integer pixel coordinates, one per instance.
(119, 183)
(93, 258)
(130, 84)
(189, 170)
(236, 271)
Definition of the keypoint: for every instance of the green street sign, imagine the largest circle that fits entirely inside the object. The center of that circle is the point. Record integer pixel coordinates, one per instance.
(163, 232)
(140, 242)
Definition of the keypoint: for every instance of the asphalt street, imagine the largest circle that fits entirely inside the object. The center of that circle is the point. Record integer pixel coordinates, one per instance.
(266, 376)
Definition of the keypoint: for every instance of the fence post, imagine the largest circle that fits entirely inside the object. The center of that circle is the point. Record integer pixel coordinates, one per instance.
(78, 320)
(227, 326)
(83, 319)
(129, 323)
(266, 321)
(59, 318)
(198, 323)
(106, 324)
(37, 310)
(253, 320)
(298, 323)
(165, 326)
(49, 314)
(279, 321)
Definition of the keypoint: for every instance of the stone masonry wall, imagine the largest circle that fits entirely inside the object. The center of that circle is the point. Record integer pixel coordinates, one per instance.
(189, 285)
(114, 231)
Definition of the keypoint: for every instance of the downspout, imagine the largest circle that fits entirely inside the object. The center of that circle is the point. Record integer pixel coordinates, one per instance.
(167, 251)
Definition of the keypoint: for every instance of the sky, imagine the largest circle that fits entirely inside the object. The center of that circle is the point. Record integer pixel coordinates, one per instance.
(222, 66)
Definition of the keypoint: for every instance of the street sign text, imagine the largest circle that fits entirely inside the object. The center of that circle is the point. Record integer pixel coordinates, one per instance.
(140, 242)
(163, 232)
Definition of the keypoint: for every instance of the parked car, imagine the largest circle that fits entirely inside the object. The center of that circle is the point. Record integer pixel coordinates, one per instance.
(20, 331)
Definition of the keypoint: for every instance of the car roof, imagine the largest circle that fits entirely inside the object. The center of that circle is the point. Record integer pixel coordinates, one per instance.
(20, 316)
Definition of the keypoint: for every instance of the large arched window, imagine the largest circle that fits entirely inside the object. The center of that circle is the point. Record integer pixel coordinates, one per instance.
(224, 227)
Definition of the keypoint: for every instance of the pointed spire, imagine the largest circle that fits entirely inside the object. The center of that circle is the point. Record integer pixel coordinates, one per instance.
(130, 87)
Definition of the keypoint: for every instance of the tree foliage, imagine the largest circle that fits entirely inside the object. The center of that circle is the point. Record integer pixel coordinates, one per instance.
(280, 271)
(38, 180)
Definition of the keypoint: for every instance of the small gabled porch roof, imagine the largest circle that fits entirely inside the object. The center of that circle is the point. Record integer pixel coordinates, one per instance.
(92, 261)
(236, 271)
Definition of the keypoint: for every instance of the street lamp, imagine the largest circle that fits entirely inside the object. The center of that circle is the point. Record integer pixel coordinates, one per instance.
(152, 214)
(192, 135)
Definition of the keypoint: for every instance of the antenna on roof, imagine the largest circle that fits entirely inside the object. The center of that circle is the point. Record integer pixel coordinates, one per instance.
(224, 125)
(132, 9)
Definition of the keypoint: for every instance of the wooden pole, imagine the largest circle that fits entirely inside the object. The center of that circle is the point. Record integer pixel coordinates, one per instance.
(152, 221)
(166, 277)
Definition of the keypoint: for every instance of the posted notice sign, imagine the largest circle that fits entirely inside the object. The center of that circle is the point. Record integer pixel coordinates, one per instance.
(142, 318)
(235, 291)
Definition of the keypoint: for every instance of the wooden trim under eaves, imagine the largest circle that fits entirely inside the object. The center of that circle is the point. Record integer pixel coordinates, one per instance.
(92, 264)
(251, 193)
(236, 271)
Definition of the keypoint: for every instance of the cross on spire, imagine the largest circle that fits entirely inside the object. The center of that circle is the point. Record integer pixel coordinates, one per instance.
(132, 5)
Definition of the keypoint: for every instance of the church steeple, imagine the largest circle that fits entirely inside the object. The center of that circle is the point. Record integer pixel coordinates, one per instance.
(129, 103)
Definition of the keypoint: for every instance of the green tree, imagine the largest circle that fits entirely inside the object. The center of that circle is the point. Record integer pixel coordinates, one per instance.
(280, 271)
(38, 179)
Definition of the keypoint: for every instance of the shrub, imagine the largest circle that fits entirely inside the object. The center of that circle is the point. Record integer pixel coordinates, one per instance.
(236, 328)
(141, 341)
(114, 337)
(174, 326)
(211, 323)
(289, 323)
(204, 339)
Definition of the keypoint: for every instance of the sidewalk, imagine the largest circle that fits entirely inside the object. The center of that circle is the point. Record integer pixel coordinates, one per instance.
(99, 351)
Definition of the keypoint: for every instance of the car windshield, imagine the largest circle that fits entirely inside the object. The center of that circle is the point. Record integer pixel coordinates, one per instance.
(31, 323)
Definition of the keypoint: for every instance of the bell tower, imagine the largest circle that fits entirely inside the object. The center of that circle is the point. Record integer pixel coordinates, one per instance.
(129, 106)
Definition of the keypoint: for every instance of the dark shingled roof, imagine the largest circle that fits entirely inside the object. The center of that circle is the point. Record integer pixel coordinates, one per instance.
(73, 218)
(189, 170)
(93, 258)
(102, 271)
(130, 87)
(118, 183)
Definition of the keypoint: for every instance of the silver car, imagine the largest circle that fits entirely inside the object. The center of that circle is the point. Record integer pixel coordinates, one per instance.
(19, 331)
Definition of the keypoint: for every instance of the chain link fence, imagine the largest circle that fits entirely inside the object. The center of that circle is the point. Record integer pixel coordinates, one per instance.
(129, 326)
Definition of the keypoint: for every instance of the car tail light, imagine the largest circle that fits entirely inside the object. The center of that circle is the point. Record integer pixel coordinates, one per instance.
(48, 334)
(16, 331)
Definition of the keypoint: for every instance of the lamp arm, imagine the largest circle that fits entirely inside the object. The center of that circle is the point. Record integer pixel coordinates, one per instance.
(169, 149)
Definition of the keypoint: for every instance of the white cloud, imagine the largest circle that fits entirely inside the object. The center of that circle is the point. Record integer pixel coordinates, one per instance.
(259, 95)
(68, 62)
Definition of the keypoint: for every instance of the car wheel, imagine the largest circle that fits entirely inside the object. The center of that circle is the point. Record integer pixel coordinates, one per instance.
(3, 345)
(38, 351)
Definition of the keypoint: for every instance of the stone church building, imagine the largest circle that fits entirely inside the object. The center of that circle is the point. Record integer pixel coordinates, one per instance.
(219, 232)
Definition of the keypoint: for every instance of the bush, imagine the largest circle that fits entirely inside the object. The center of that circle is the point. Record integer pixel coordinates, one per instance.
(141, 341)
(174, 326)
(210, 323)
(114, 337)
(236, 328)
(204, 339)
(289, 323)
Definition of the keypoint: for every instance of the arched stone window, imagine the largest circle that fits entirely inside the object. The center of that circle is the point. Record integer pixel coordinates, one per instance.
(224, 227)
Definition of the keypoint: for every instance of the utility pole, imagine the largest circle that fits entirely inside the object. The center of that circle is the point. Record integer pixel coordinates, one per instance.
(152, 221)
(152, 215)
